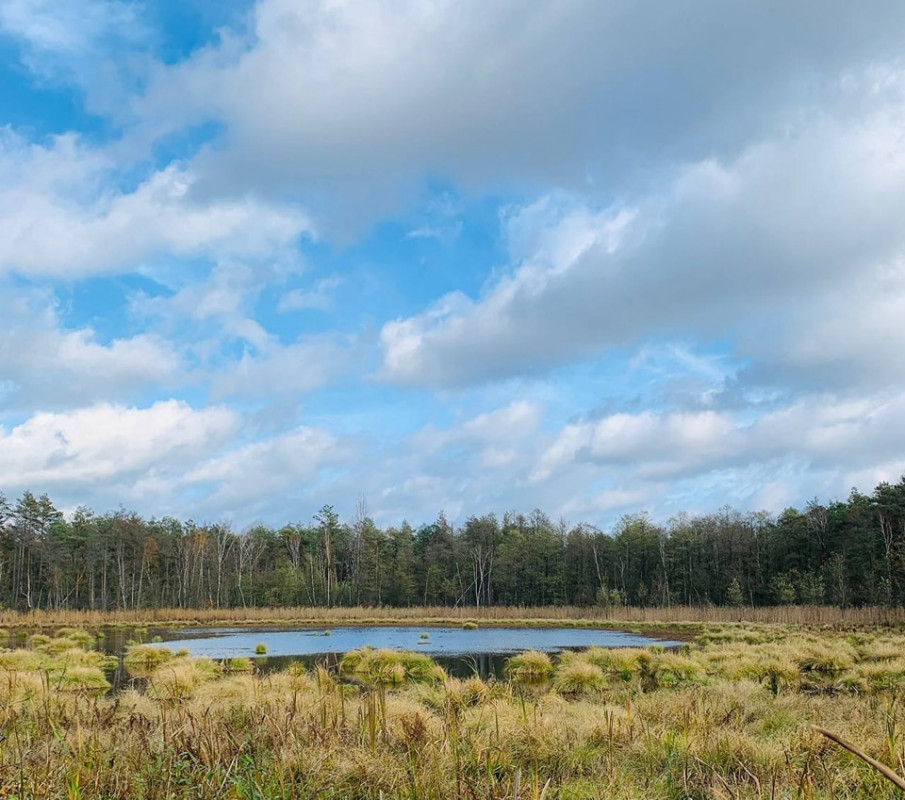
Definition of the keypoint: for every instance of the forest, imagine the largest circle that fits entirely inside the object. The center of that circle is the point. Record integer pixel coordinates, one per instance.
(845, 553)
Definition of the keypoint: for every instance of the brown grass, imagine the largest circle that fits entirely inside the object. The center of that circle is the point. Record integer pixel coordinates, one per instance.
(871, 616)
(731, 715)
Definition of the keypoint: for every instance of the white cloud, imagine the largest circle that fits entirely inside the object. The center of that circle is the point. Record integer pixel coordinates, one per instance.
(473, 465)
(695, 196)
(364, 100)
(742, 250)
(320, 297)
(247, 481)
(169, 458)
(46, 366)
(274, 370)
(655, 444)
(95, 47)
(502, 426)
(63, 213)
(110, 443)
(820, 444)
(58, 27)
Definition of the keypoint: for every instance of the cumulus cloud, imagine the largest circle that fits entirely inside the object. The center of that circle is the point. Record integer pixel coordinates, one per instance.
(51, 29)
(168, 458)
(363, 100)
(105, 442)
(319, 297)
(494, 436)
(246, 480)
(819, 444)
(474, 464)
(275, 370)
(43, 365)
(65, 214)
(711, 208)
(94, 48)
(740, 249)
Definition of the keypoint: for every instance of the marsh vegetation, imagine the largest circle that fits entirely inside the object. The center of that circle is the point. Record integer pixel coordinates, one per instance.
(729, 715)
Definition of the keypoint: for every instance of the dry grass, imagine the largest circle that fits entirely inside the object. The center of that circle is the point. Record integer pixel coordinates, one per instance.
(731, 715)
(389, 667)
(529, 666)
(869, 617)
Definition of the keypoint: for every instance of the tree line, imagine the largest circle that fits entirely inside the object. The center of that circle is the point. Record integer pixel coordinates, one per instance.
(846, 553)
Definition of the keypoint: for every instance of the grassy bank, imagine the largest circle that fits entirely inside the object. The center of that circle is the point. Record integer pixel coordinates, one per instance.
(728, 716)
(613, 616)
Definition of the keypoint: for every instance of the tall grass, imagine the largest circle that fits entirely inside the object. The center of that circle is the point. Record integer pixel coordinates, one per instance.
(706, 722)
(427, 615)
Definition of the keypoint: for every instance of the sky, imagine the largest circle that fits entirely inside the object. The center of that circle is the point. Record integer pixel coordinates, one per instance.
(591, 257)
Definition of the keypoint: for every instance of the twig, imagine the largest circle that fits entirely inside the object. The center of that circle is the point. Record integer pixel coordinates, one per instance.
(717, 775)
(885, 771)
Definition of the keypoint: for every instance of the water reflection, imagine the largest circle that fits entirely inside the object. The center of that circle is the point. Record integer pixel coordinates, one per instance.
(462, 653)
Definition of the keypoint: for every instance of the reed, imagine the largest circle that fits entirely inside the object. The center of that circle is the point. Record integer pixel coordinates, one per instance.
(609, 616)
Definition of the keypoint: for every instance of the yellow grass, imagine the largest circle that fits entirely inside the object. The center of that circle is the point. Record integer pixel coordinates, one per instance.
(609, 616)
(729, 715)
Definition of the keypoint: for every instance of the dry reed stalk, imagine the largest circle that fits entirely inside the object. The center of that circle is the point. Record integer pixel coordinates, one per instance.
(611, 616)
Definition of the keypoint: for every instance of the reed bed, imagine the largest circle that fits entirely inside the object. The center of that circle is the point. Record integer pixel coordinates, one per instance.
(729, 715)
(608, 616)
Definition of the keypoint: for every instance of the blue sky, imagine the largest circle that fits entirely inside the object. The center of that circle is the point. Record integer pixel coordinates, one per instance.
(590, 257)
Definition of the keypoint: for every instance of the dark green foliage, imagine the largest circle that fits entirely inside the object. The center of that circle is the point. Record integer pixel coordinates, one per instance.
(845, 553)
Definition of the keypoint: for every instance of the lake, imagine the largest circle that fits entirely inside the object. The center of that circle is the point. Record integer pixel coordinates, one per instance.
(461, 652)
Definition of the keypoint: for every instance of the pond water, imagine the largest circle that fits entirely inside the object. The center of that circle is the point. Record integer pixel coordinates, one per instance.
(460, 652)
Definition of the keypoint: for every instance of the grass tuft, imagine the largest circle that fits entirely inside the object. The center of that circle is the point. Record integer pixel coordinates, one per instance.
(141, 661)
(390, 667)
(529, 666)
(578, 677)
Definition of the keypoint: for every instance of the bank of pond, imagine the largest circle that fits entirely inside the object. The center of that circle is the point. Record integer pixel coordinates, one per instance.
(462, 651)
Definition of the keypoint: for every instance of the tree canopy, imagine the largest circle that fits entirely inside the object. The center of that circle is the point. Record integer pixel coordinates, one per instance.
(845, 553)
